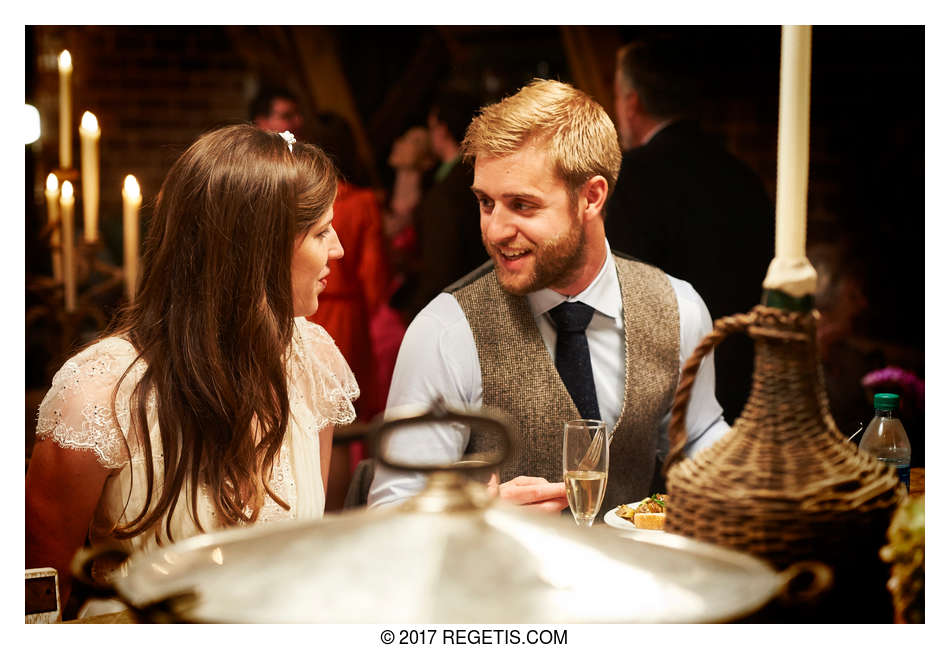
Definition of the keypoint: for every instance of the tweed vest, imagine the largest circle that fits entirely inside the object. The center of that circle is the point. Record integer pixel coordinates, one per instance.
(520, 378)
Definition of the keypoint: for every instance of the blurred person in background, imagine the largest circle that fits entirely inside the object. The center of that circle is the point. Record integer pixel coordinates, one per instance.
(412, 160)
(446, 220)
(276, 109)
(356, 288)
(685, 204)
(856, 365)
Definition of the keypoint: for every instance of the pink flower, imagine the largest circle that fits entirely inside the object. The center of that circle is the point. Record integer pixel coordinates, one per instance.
(910, 385)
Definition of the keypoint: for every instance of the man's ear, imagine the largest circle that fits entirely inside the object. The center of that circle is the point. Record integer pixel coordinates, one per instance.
(592, 197)
(630, 104)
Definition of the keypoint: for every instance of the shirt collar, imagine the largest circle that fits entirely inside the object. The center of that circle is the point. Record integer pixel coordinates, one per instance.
(656, 129)
(603, 293)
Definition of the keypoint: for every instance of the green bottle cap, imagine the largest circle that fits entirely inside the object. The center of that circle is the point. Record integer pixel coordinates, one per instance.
(886, 401)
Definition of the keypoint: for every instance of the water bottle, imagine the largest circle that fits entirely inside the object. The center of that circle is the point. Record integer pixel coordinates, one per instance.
(885, 438)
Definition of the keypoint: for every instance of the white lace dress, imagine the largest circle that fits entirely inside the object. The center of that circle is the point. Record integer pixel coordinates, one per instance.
(77, 414)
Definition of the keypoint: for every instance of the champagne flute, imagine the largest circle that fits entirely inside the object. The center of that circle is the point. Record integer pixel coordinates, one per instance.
(586, 457)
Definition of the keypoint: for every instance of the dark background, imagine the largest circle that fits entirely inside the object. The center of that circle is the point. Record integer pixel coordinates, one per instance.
(155, 89)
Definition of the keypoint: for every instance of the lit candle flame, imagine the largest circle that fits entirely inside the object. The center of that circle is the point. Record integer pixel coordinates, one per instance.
(65, 61)
(131, 187)
(67, 190)
(89, 122)
(52, 183)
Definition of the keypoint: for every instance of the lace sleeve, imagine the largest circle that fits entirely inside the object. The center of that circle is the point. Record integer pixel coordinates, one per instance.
(321, 377)
(76, 413)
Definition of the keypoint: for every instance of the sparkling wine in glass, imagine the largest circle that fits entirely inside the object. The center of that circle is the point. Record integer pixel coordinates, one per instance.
(586, 457)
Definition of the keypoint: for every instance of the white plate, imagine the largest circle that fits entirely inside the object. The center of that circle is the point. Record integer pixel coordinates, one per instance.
(613, 520)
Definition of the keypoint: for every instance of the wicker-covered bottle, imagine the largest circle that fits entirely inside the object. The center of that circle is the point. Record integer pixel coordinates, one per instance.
(784, 483)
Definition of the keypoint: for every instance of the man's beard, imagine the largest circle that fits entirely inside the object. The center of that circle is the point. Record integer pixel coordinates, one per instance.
(555, 261)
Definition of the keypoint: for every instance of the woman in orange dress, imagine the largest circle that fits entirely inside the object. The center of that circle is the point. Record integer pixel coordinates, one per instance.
(357, 287)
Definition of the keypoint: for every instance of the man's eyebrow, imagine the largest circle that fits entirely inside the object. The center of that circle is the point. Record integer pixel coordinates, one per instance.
(526, 195)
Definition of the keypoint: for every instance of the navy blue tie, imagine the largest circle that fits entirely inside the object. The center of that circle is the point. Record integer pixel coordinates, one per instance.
(572, 356)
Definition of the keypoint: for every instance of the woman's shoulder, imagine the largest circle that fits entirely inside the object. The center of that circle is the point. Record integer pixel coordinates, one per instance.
(317, 346)
(77, 412)
(319, 370)
(106, 351)
(312, 333)
(103, 362)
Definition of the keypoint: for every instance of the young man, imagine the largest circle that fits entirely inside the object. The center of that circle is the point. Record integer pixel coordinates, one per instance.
(512, 334)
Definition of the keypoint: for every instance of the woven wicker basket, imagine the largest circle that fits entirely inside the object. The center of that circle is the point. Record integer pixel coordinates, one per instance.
(784, 483)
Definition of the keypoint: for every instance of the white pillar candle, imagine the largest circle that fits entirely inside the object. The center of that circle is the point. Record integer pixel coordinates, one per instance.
(65, 110)
(89, 147)
(131, 202)
(52, 217)
(790, 270)
(67, 204)
(793, 131)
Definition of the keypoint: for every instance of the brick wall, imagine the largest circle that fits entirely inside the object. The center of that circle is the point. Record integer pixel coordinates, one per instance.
(153, 90)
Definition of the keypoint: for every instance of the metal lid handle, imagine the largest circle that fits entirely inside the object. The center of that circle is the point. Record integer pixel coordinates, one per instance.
(487, 420)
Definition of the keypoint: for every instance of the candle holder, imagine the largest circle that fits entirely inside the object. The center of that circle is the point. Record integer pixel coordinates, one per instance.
(69, 326)
(45, 235)
(96, 275)
(95, 280)
(784, 483)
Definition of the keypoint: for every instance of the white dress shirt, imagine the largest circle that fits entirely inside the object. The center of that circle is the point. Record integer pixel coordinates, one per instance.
(438, 357)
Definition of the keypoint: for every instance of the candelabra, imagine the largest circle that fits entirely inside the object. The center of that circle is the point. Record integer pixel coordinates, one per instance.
(95, 282)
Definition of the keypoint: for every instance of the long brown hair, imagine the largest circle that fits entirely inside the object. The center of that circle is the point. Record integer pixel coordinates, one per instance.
(213, 317)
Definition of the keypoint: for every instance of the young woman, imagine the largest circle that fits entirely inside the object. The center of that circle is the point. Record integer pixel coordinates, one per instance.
(212, 401)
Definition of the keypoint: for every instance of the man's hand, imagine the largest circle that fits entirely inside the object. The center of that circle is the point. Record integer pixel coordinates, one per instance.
(533, 492)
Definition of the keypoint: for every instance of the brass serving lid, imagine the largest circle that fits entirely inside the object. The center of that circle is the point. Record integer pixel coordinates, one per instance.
(453, 554)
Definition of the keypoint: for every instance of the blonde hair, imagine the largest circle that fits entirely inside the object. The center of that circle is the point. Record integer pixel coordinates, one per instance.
(576, 131)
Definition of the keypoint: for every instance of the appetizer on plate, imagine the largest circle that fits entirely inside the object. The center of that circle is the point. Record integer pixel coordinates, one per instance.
(648, 514)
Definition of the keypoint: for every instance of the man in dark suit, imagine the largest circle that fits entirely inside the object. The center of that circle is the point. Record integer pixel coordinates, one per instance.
(685, 204)
(447, 218)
